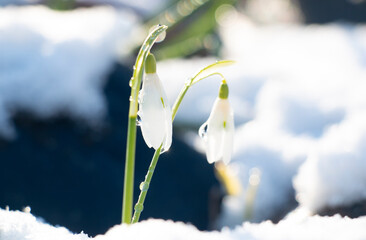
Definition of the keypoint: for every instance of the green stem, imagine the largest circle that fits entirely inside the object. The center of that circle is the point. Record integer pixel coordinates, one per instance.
(132, 115)
(129, 171)
(180, 98)
(145, 186)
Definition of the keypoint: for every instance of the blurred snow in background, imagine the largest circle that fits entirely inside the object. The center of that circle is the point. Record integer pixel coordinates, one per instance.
(55, 62)
(298, 96)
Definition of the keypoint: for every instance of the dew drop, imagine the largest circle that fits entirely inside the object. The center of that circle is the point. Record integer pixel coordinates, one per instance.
(139, 207)
(130, 82)
(144, 186)
(161, 36)
(202, 132)
(131, 99)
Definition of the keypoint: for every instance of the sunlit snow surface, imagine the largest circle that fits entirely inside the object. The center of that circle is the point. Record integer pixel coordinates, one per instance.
(16, 225)
(56, 62)
(298, 94)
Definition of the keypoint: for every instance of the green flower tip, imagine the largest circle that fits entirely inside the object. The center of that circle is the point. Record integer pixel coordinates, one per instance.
(224, 90)
(150, 64)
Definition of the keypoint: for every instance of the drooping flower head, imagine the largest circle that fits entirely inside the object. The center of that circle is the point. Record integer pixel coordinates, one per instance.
(154, 109)
(218, 130)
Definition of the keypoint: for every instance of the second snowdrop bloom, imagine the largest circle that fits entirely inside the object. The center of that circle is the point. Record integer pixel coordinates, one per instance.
(154, 109)
(218, 130)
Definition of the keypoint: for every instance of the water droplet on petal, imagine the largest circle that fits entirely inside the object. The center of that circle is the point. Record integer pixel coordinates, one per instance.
(130, 82)
(202, 132)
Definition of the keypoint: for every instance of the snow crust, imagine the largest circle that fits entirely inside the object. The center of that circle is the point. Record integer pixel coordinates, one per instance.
(55, 62)
(15, 225)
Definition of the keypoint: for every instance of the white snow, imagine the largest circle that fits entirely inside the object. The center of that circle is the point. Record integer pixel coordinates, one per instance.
(334, 173)
(15, 225)
(298, 97)
(55, 62)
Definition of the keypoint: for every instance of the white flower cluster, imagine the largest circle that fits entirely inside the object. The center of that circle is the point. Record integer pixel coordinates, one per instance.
(156, 118)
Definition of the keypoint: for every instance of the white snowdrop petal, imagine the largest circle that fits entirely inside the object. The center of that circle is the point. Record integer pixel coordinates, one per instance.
(155, 113)
(228, 137)
(228, 140)
(168, 120)
(168, 128)
(213, 144)
(220, 132)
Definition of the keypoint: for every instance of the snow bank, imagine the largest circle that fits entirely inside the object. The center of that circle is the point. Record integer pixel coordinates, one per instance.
(16, 225)
(55, 62)
(334, 173)
(298, 95)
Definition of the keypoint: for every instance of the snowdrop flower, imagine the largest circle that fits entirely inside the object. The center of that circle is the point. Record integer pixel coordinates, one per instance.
(154, 109)
(218, 130)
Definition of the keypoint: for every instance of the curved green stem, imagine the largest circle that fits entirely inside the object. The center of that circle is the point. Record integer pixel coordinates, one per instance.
(180, 98)
(144, 187)
(131, 130)
(193, 81)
